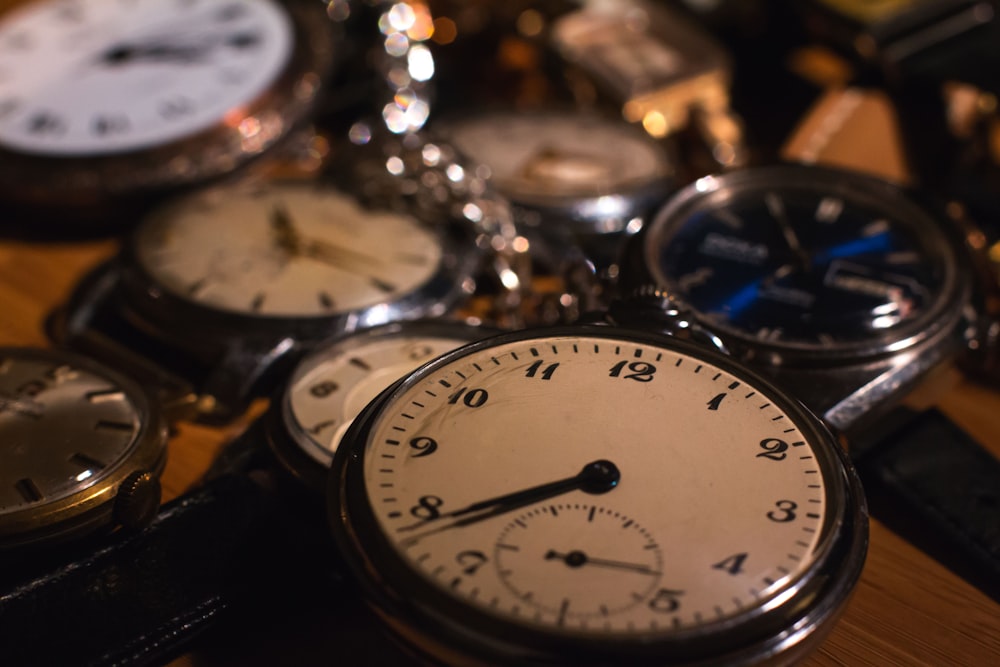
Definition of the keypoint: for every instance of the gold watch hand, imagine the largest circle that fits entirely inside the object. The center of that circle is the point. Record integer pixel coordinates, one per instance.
(284, 230)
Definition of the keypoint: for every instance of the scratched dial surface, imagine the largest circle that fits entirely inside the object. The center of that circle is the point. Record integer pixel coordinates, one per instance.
(287, 250)
(803, 258)
(597, 484)
(62, 429)
(96, 77)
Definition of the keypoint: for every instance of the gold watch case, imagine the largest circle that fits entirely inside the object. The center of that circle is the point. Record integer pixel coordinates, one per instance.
(81, 448)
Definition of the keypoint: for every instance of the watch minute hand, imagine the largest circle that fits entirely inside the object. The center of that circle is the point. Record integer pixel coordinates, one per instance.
(596, 477)
(126, 54)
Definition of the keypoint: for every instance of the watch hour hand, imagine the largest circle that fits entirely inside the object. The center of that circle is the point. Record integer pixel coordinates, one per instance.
(596, 477)
(334, 254)
(163, 52)
(285, 234)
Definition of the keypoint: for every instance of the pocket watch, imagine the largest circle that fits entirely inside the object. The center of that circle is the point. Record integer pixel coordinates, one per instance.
(81, 449)
(105, 103)
(847, 293)
(596, 495)
(337, 379)
(578, 183)
(225, 287)
(808, 272)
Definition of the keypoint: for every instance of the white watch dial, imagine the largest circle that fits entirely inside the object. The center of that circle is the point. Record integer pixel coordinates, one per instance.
(95, 77)
(559, 155)
(592, 485)
(332, 387)
(291, 250)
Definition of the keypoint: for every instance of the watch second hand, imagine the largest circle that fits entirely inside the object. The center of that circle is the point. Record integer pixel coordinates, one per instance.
(596, 477)
(578, 558)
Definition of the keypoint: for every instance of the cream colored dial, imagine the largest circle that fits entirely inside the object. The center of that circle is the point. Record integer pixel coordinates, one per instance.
(333, 385)
(559, 155)
(97, 77)
(290, 250)
(595, 484)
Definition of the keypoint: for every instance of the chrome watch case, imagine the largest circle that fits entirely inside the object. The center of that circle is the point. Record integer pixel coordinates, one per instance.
(850, 356)
(432, 594)
(224, 348)
(575, 179)
(82, 449)
(110, 174)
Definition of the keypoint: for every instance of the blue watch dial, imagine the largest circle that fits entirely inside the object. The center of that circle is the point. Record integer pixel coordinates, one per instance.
(807, 264)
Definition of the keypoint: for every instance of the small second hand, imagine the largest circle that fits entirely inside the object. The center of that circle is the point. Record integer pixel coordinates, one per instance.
(596, 477)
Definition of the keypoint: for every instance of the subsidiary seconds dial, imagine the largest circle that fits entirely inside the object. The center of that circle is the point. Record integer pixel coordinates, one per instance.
(598, 485)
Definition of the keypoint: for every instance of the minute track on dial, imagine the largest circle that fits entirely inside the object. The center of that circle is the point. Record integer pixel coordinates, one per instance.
(731, 484)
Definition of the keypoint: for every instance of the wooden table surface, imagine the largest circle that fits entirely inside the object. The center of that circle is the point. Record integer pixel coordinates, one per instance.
(907, 609)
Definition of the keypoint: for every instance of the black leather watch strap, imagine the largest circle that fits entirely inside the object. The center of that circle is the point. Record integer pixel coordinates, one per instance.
(937, 487)
(138, 599)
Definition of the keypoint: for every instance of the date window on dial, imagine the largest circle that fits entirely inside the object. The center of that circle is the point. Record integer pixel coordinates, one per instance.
(897, 296)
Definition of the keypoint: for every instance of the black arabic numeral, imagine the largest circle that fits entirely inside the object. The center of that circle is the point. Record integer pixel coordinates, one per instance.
(666, 601)
(418, 352)
(423, 446)
(471, 561)
(323, 389)
(474, 398)
(546, 372)
(732, 565)
(786, 511)
(774, 449)
(427, 508)
(640, 371)
(716, 402)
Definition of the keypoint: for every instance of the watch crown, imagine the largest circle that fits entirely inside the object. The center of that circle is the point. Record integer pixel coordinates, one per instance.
(138, 500)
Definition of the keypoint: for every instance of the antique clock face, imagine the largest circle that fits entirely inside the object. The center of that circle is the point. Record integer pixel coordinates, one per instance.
(549, 157)
(288, 250)
(335, 382)
(671, 500)
(95, 77)
(805, 258)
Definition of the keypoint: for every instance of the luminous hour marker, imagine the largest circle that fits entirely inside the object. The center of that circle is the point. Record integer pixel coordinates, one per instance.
(829, 209)
(105, 395)
(729, 218)
(105, 425)
(903, 257)
(86, 462)
(775, 205)
(875, 227)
